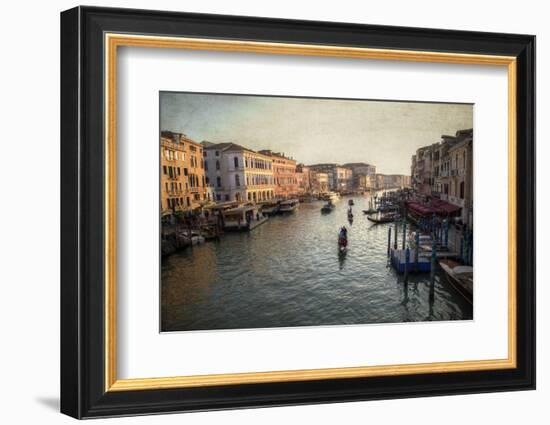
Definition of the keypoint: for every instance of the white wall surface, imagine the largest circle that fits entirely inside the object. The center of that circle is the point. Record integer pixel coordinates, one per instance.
(29, 216)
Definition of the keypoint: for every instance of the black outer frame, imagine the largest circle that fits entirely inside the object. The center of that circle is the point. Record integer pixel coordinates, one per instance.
(82, 212)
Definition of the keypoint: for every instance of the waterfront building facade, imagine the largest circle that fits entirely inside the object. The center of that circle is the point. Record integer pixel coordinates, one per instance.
(363, 182)
(344, 179)
(284, 174)
(361, 168)
(423, 179)
(445, 171)
(182, 179)
(460, 187)
(361, 175)
(340, 178)
(319, 182)
(303, 177)
(237, 173)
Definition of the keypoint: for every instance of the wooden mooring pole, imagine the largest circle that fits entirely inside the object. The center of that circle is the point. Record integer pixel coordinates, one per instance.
(417, 244)
(395, 236)
(432, 272)
(407, 256)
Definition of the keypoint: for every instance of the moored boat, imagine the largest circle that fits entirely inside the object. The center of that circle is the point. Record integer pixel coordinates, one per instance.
(460, 276)
(246, 217)
(383, 218)
(270, 208)
(289, 205)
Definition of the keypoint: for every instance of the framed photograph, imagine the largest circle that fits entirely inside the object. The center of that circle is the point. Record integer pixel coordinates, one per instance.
(261, 212)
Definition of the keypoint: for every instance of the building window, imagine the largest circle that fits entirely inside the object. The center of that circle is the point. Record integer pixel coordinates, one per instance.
(218, 197)
(179, 171)
(185, 172)
(462, 190)
(237, 180)
(236, 162)
(217, 153)
(206, 165)
(217, 164)
(188, 201)
(219, 181)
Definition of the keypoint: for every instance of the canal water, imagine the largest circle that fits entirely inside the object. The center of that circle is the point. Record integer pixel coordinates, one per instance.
(288, 272)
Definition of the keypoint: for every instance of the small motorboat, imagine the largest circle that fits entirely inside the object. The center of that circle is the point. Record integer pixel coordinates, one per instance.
(327, 208)
(460, 276)
(370, 211)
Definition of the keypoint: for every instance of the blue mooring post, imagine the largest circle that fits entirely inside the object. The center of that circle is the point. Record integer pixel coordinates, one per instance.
(389, 240)
(404, 232)
(407, 255)
(395, 236)
(417, 244)
(432, 275)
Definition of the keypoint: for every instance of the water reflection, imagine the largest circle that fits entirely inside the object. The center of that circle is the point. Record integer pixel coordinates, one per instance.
(290, 272)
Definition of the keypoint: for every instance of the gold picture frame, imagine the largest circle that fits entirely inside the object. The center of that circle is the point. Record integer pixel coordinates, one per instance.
(114, 41)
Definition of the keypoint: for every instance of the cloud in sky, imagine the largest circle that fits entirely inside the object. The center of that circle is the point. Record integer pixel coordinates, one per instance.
(313, 130)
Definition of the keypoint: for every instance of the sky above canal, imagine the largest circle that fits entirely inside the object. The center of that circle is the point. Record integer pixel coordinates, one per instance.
(385, 134)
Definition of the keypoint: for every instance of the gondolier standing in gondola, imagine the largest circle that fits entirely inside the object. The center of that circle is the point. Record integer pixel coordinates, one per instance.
(343, 237)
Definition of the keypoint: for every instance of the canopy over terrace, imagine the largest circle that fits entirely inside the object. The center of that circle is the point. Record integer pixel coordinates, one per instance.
(434, 206)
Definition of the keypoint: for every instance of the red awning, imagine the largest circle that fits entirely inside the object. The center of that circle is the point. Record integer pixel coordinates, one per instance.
(435, 206)
(443, 207)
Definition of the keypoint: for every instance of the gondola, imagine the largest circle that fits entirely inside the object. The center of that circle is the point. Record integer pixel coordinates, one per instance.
(327, 208)
(386, 218)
